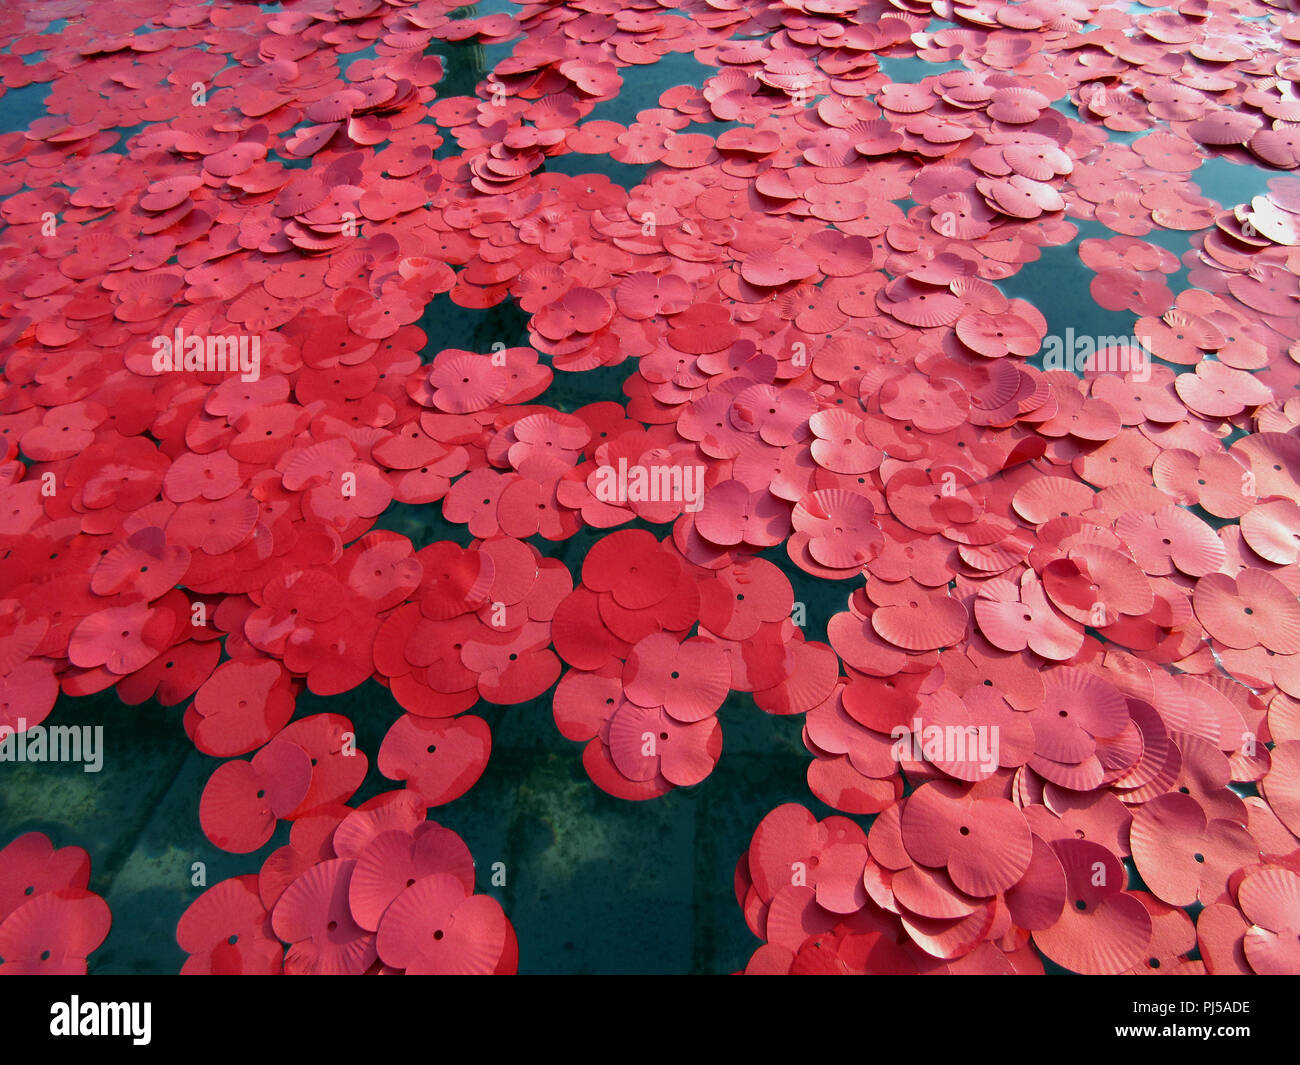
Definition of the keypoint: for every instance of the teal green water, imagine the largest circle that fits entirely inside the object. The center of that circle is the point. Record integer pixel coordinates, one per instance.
(593, 884)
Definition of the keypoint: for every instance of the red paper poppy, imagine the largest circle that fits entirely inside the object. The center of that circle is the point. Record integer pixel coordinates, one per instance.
(227, 931)
(394, 859)
(242, 800)
(433, 928)
(30, 866)
(313, 917)
(1102, 928)
(1182, 856)
(52, 933)
(1269, 899)
(439, 759)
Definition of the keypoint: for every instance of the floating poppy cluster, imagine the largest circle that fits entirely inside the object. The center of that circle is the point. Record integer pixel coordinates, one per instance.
(49, 921)
(376, 889)
(1097, 568)
(959, 882)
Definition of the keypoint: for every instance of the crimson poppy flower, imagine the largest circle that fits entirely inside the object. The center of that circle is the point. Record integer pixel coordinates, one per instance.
(31, 866)
(227, 931)
(1267, 899)
(440, 760)
(52, 933)
(432, 927)
(241, 706)
(689, 680)
(313, 917)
